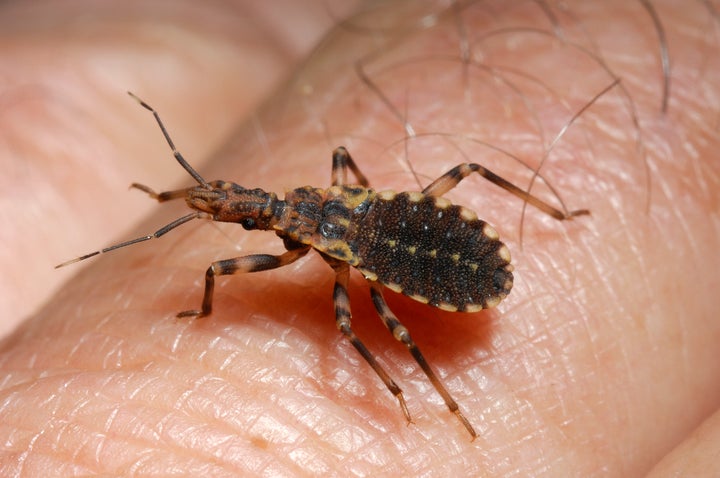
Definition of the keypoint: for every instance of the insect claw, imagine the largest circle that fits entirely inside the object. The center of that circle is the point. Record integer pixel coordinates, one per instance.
(190, 313)
(403, 406)
(579, 212)
(466, 424)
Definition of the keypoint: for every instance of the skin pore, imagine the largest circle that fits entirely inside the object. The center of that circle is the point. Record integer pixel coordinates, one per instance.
(600, 362)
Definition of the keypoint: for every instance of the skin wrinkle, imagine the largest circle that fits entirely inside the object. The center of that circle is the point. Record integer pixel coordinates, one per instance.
(170, 422)
(251, 378)
(566, 367)
(573, 338)
(55, 429)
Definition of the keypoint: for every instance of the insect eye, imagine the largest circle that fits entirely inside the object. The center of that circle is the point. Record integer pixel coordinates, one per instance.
(248, 223)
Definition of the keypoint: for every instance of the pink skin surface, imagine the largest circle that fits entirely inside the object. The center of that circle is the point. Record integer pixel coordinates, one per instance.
(602, 361)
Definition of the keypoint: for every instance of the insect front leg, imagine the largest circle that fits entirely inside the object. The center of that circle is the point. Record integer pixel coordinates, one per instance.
(241, 265)
(342, 320)
(341, 161)
(452, 178)
(403, 335)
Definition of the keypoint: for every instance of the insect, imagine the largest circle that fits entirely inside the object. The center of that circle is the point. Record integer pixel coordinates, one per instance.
(415, 243)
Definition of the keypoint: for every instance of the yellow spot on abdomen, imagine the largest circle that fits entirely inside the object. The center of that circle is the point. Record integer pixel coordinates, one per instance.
(504, 253)
(394, 287)
(490, 232)
(386, 195)
(442, 203)
(467, 214)
(415, 196)
(448, 307)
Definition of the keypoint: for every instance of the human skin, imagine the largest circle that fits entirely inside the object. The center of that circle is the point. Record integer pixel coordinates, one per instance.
(600, 362)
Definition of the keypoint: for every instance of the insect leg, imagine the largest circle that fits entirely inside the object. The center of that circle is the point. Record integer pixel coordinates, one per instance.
(449, 180)
(403, 335)
(341, 161)
(342, 320)
(241, 265)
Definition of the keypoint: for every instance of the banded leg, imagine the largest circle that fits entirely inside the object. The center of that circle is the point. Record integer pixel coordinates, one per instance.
(449, 180)
(241, 265)
(340, 163)
(342, 320)
(403, 335)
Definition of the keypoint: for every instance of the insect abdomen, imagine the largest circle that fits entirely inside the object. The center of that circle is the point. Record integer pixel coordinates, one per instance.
(433, 251)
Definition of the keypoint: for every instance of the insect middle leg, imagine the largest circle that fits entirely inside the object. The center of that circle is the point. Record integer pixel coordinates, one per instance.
(342, 320)
(241, 265)
(452, 178)
(401, 333)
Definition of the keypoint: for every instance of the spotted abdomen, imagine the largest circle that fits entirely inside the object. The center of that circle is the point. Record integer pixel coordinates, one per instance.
(433, 251)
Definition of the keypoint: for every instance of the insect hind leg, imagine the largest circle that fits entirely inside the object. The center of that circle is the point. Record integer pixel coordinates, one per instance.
(403, 335)
(342, 320)
(452, 178)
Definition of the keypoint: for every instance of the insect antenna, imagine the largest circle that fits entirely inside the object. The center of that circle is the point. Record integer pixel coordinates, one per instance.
(160, 232)
(176, 153)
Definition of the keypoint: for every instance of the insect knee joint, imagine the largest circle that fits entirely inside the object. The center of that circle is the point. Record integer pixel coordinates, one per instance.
(401, 334)
(343, 325)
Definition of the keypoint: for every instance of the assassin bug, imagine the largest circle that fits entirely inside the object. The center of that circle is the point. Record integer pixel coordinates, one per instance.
(416, 243)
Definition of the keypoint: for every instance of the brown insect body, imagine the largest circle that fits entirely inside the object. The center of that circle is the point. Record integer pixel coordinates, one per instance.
(415, 243)
(433, 251)
(422, 246)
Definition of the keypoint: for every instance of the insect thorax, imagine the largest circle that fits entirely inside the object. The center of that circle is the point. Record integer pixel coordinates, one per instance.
(326, 219)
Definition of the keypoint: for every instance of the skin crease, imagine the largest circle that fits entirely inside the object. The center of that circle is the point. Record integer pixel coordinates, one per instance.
(601, 361)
